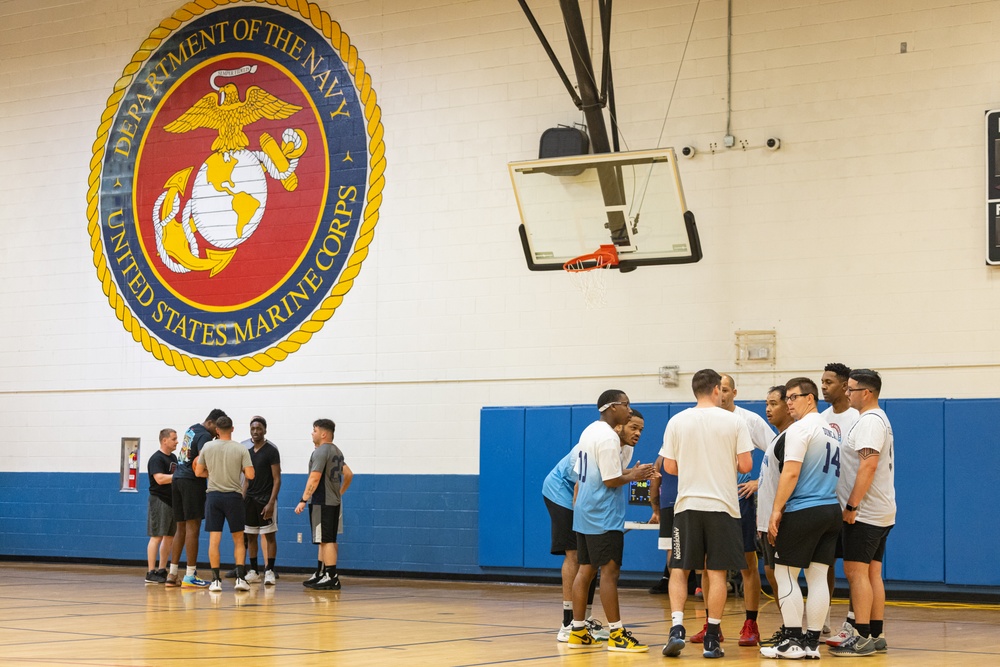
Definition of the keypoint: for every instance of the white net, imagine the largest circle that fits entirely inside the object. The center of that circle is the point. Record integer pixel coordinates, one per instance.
(592, 286)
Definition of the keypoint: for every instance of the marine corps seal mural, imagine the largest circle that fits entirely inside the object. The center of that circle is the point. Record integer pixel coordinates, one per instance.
(235, 184)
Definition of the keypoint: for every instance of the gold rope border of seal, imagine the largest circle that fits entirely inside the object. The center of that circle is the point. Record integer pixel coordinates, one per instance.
(376, 183)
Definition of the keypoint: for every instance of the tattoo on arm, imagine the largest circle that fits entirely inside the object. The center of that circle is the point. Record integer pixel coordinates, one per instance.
(867, 452)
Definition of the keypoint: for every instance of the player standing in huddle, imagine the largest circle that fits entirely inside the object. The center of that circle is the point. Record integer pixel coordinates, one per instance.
(805, 521)
(160, 522)
(841, 417)
(189, 502)
(558, 490)
(867, 493)
(221, 462)
(767, 485)
(705, 446)
(599, 519)
(260, 499)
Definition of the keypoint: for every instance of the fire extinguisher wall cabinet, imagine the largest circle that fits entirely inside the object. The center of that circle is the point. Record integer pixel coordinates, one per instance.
(130, 465)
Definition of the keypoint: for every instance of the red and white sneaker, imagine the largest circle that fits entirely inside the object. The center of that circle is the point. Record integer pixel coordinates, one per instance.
(841, 637)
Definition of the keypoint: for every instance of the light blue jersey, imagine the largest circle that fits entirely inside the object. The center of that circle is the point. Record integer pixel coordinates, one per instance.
(559, 483)
(599, 508)
(811, 441)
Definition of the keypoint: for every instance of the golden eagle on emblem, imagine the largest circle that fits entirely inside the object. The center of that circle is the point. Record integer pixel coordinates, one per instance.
(229, 194)
(227, 114)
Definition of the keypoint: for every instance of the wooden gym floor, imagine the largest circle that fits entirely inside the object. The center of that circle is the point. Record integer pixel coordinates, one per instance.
(96, 615)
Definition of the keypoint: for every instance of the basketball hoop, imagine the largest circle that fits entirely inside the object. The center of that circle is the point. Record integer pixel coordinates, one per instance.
(588, 279)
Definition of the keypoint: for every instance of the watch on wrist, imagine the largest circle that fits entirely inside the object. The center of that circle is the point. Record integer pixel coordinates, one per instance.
(851, 508)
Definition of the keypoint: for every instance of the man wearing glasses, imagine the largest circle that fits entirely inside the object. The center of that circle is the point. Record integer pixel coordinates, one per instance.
(705, 446)
(805, 520)
(868, 496)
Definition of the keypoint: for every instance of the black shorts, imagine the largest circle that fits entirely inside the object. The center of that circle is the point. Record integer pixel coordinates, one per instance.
(324, 520)
(222, 508)
(253, 510)
(864, 543)
(599, 550)
(188, 499)
(808, 536)
(666, 528)
(748, 523)
(714, 535)
(840, 542)
(766, 550)
(563, 537)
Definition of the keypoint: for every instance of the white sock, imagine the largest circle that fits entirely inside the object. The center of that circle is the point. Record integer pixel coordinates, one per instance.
(617, 625)
(191, 571)
(173, 569)
(677, 618)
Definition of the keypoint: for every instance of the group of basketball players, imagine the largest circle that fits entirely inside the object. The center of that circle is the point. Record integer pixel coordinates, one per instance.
(825, 491)
(226, 482)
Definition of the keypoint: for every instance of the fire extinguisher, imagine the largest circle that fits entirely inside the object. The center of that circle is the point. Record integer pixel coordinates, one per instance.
(133, 469)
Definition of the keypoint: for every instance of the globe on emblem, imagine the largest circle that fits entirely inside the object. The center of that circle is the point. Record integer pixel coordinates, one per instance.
(229, 197)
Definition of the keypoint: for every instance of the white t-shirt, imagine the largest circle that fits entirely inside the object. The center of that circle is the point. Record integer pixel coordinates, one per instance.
(705, 443)
(871, 431)
(761, 432)
(841, 422)
(767, 484)
(598, 455)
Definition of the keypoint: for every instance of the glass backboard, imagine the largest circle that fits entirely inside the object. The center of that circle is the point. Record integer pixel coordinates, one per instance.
(572, 205)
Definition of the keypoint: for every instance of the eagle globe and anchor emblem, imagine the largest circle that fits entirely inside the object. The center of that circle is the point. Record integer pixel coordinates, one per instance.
(229, 195)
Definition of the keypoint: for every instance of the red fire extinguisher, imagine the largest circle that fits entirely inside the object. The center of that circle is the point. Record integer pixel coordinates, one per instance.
(133, 469)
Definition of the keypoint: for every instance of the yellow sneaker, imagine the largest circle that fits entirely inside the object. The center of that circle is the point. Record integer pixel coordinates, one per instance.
(582, 639)
(622, 640)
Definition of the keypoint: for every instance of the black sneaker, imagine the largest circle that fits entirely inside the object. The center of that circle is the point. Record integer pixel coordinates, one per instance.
(775, 639)
(327, 583)
(675, 644)
(662, 587)
(712, 647)
(162, 574)
(152, 577)
(311, 581)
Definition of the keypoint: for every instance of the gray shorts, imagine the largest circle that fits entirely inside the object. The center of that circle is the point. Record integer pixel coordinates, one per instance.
(160, 518)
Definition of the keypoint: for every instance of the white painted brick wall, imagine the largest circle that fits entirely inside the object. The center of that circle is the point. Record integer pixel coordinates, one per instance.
(861, 240)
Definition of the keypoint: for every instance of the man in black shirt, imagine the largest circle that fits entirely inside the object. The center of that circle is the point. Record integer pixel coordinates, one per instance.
(160, 524)
(260, 498)
(189, 502)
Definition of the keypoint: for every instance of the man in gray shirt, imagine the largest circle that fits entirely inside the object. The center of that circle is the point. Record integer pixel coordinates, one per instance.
(222, 461)
(329, 477)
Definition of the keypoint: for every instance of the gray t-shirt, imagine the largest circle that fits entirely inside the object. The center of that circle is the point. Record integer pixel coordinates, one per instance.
(328, 460)
(225, 461)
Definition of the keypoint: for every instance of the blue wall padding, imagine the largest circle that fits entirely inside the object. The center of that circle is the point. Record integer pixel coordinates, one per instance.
(392, 523)
(917, 550)
(971, 461)
(501, 487)
(546, 432)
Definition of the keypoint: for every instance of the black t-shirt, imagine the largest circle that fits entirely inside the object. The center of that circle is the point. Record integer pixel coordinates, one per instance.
(161, 464)
(262, 484)
(194, 439)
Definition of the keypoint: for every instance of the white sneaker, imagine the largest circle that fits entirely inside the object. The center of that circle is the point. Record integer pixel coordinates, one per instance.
(597, 630)
(215, 586)
(241, 585)
(269, 579)
(845, 633)
(564, 631)
(252, 577)
(789, 649)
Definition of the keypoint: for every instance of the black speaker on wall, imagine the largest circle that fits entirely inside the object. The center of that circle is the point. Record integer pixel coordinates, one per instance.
(563, 142)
